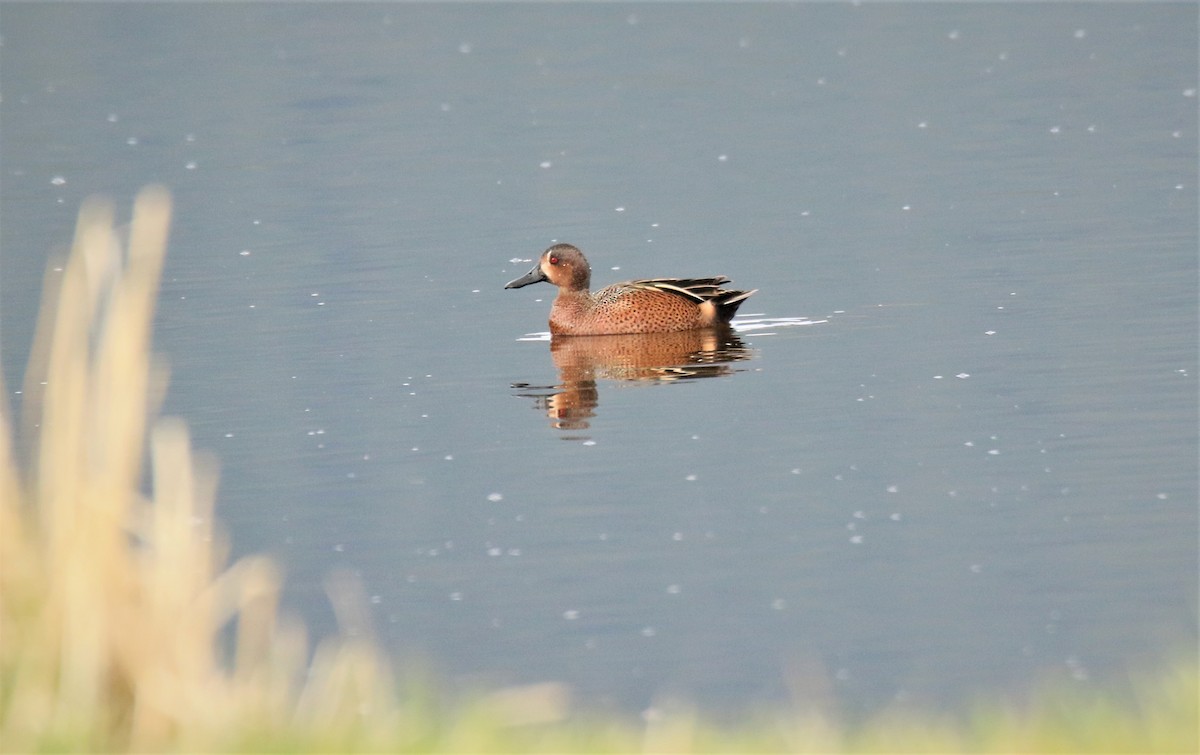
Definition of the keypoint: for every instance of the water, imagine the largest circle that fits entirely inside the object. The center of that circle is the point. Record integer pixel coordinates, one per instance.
(955, 445)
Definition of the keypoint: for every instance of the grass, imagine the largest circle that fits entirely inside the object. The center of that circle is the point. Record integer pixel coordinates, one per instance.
(116, 603)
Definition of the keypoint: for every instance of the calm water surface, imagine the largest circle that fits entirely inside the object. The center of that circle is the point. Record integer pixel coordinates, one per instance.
(953, 447)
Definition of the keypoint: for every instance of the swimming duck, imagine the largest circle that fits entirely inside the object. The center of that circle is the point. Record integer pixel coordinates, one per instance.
(650, 305)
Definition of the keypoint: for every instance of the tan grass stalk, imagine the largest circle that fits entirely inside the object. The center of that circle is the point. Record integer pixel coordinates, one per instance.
(112, 603)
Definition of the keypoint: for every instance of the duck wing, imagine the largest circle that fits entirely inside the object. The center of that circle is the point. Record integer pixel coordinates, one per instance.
(698, 290)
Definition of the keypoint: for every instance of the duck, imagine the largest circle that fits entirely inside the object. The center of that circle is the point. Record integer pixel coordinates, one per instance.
(649, 305)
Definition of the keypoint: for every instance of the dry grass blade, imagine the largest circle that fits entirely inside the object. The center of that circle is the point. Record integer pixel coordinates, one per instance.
(113, 603)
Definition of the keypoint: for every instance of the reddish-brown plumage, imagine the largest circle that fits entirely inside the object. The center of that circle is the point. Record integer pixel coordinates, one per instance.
(651, 305)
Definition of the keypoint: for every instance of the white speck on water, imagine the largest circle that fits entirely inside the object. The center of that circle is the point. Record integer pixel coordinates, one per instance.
(339, 548)
(923, 124)
(376, 599)
(1189, 93)
(112, 118)
(228, 435)
(797, 470)
(856, 539)
(969, 444)
(906, 207)
(895, 516)
(571, 615)
(989, 332)
(545, 164)
(937, 377)
(244, 253)
(132, 141)
(778, 604)
(993, 452)
(673, 589)
(57, 181)
(1080, 33)
(589, 443)
(892, 488)
(456, 596)
(493, 497)
(465, 48)
(190, 165)
(649, 631)
(678, 536)
(953, 34)
(619, 209)
(722, 158)
(859, 515)
(963, 375)
(448, 457)
(690, 478)
(1055, 130)
(495, 551)
(1162, 496)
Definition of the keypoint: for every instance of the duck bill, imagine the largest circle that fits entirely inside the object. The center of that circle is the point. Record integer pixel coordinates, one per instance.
(533, 276)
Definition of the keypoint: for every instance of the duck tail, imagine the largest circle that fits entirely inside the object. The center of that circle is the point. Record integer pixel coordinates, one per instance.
(727, 303)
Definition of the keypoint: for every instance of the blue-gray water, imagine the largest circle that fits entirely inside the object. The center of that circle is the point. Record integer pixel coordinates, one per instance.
(976, 466)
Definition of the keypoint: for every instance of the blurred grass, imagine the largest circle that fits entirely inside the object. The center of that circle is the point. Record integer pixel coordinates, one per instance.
(113, 602)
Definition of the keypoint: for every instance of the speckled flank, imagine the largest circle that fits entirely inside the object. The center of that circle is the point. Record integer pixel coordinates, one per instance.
(653, 305)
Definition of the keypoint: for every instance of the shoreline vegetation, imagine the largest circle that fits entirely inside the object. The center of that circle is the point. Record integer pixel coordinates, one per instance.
(123, 628)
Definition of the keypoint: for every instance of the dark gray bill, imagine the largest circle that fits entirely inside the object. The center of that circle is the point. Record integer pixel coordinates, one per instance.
(533, 276)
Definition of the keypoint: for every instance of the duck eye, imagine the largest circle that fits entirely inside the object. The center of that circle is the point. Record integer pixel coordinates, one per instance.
(553, 260)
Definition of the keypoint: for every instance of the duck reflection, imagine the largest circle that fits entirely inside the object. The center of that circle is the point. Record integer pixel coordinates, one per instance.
(644, 357)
